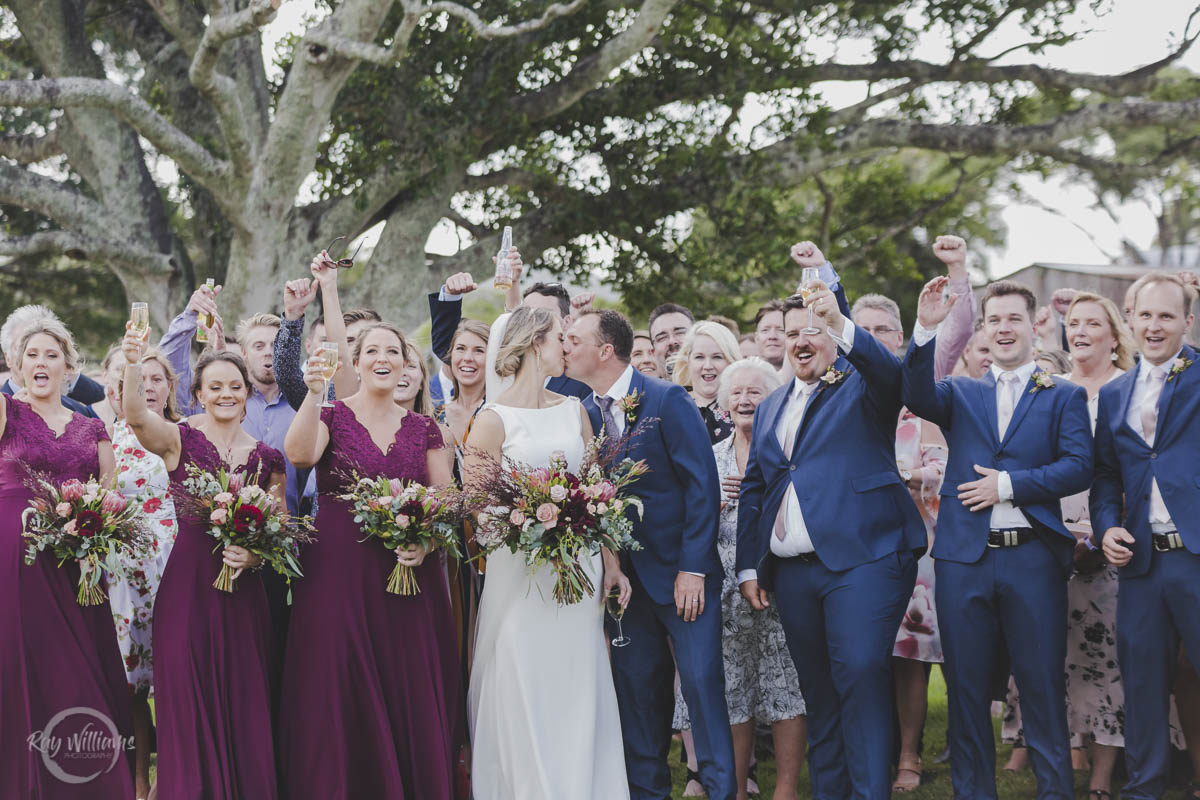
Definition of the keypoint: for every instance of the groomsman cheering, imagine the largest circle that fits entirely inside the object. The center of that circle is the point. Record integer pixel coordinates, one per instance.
(826, 523)
(1146, 501)
(1019, 441)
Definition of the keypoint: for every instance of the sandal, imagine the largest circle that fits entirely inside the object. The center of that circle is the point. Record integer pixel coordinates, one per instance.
(907, 782)
(694, 777)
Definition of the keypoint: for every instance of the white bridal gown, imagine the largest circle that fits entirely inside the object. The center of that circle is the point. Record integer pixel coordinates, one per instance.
(544, 718)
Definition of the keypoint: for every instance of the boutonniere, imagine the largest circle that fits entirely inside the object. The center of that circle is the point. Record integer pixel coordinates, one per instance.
(1178, 366)
(1041, 380)
(833, 376)
(629, 405)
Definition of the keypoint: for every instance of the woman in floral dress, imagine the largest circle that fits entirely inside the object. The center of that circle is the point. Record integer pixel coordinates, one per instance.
(142, 475)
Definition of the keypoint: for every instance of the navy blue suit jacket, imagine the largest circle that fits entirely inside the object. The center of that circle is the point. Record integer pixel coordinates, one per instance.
(681, 492)
(74, 405)
(843, 467)
(1126, 465)
(444, 316)
(1046, 450)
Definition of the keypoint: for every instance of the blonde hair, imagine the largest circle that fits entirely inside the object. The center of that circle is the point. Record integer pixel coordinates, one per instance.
(474, 327)
(1158, 276)
(422, 403)
(526, 329)
(726, 342)
(55, 330)
(356, 353)
(1125, 347)
(18, 319)
(171, 404)
(770, 376)
(259, 320)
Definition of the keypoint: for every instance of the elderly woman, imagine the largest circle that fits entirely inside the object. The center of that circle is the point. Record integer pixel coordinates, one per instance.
(761, 684)
(707, 350)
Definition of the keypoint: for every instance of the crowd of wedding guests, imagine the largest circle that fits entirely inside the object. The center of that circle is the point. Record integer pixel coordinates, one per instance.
(837, 449)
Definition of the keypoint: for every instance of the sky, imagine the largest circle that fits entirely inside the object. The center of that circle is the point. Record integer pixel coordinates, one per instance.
(1130, 34)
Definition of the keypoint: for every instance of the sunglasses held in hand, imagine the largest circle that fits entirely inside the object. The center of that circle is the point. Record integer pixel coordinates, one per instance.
(343, 263)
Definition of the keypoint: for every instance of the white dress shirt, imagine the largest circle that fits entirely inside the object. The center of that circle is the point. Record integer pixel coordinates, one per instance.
(1004, 514)
(796, 539)
(1160, 518)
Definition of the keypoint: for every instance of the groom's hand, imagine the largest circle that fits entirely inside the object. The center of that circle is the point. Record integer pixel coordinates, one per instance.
(689, 596)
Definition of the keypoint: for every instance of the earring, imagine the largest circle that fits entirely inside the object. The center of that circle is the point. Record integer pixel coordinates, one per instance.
(1114, 355)
(537, 361)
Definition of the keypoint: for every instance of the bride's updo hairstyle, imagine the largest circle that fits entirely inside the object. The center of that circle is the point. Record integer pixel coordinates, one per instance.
(526, 329)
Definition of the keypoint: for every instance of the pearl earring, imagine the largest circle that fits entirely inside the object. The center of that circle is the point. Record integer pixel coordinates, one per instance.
(1114, 355)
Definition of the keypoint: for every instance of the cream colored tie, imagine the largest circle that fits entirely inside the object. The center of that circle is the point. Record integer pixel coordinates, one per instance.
(1149, 410)
(1007, 401)
(789, 444)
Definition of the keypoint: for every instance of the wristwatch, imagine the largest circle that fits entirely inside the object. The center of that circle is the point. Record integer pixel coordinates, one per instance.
(906, 475)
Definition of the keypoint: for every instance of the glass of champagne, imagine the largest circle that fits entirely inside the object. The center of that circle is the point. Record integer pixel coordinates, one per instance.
(328, 353)
(616, 611)
(205, 321)
(504, 276)
(808, 287)
(139, 316)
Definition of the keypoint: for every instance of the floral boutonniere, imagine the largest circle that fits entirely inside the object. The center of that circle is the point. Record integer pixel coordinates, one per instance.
(1178, 366)
(629, 405)
(1041, 380)
(833, 376)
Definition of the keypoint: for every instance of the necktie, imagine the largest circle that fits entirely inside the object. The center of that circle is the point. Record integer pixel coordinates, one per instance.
(610, 422)
(1006, 401)
(789, 443)
(1149, 411)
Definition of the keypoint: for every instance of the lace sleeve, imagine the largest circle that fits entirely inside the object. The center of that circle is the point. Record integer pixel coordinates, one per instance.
(433, 435)
(271, 461)
(96, 427)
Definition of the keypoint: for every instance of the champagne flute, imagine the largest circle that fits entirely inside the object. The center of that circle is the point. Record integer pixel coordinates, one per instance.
(205, 321)
(616, 611)
(808, 280)
(139, 316)
(328, 353)
(504, 276)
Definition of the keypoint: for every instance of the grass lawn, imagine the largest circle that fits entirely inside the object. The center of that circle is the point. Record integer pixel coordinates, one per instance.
(936, 783)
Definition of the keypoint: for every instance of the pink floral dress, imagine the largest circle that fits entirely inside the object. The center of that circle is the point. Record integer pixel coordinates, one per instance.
(141, 475)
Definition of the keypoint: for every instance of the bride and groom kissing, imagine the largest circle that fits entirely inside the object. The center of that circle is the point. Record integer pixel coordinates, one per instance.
(552, 714)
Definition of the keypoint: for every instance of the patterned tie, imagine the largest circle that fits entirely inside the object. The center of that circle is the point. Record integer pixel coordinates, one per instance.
(1149, 411)
(610, 422)
(789, 444)
(1006, 402)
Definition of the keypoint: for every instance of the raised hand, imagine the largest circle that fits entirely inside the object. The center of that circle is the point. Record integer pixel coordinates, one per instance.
(203, 300)
(312, 377)
(807, 254)
(581, 302)
(825, 306)
(951, 251)
(515, 264)
(460, 283)
(932, 306)
(1061, 299)
(324, 270)
(297, 296)
(133, 346)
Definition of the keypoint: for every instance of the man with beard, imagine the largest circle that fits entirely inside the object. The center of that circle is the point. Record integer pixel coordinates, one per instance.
(826, 523)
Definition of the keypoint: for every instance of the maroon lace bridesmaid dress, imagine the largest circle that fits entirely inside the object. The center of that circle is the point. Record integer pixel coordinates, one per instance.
(371, 691)
(60, 664)
(212, 658)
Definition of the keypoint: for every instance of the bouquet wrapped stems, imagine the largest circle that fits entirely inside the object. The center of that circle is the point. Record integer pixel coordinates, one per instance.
(225, 581)
(403, 581)
(90, 593)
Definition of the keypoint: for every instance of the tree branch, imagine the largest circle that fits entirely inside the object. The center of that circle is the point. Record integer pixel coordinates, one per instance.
(79, 247)
(31, 149)
(593, 70)
(201, 165)
(219, 89)
(856, 112)
(50, 198)
(487, 31)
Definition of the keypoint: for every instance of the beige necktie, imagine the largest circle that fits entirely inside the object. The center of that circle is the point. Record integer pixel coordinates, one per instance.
(789, 444)
(1006, 402)
(1149, 410)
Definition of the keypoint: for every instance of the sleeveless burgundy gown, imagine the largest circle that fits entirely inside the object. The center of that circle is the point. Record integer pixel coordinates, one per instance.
(212, 658)
(372, 695)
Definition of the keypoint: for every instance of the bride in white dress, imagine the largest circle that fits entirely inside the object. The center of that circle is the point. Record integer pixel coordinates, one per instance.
(543, 710)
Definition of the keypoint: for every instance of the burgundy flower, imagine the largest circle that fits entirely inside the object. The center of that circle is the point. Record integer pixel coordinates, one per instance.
(88, 523)
(247, 517)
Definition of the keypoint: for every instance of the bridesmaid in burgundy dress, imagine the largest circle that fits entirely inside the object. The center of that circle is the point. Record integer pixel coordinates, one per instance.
(212, 649)
(371, 680)
(60, 665)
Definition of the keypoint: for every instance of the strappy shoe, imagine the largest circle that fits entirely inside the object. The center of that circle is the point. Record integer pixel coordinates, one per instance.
(908, 776)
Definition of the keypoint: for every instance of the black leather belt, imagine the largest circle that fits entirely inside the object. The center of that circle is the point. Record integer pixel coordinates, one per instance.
(1009, 537)
(1166, 542)
(802, 558)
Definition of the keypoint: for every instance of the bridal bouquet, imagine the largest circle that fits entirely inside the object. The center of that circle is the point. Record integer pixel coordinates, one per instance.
(557, 517)
(90, 523)
(400, 515)
(241, 514)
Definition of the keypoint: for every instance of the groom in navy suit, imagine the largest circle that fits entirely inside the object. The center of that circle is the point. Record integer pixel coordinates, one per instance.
(826, 523)
(1019, 441)
(677, 574)
(1146, 501)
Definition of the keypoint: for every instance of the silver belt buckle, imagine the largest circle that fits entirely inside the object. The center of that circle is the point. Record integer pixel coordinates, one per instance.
(1174, 541)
